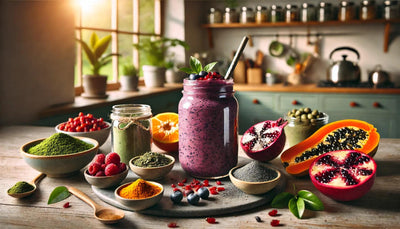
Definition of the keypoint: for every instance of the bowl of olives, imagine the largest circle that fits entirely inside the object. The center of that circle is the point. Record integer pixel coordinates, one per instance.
(302, 123)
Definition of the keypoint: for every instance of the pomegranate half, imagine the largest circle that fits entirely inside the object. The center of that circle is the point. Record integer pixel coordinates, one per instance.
(343, 175)
(264, 141)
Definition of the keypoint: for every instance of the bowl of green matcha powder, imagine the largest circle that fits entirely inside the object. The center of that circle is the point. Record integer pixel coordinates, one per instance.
(59, 155)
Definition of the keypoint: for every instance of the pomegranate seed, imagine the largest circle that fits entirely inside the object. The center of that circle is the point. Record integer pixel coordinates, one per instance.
(173, 186)
(211, 220)
(188, 187)
(273, 212)
(275, 223)
(172, 225)
(219, 189)
(213, 192)
(184, 180)
(218, 182)
(66, 205)
(177, 189)
(181, 184)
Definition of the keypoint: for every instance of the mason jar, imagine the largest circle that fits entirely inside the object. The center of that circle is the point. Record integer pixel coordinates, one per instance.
(208, 128)
(131, 130)
(367, 10)
(230, 15)
(246, 15)
(261, 14)
(291, 13)
(276, 14)
(307, 12)
(325, 12)
(391, 10)
(346, 11)
(214, 16)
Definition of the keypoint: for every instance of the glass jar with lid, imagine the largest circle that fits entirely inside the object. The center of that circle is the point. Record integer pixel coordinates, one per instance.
(276, 14)
(246, 15)
(131, 130)
(325, 12)
(307, 12)
(230, 15)
(261, 14)
(291, 13)
(346, 11)
(214, 16)
(367, 10)
(391, 10)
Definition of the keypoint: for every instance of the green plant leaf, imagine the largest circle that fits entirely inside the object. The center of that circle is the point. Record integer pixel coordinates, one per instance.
(186, 70)
(93, 40)
(281, 200)
(195, 64)
(101, 46)
(293, 207)
(312, 202)
(58, 194)
(89, 53)
(300, 206)
(209, 66)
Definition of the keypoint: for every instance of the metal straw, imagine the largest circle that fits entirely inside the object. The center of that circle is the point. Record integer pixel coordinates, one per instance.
(236, 57)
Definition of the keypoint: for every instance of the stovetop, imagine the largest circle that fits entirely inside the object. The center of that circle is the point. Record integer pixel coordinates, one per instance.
(325, 83)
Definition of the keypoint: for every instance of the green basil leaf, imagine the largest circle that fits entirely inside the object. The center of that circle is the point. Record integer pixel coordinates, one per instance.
(281, 200)
(300, 206)
(195, 65)
(293, 207)
(58, 194)
(186, 70)
(210, 66)
(312, 202)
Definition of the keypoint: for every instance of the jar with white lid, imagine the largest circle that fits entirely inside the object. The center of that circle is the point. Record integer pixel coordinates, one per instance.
(307, 12)
(214, 16)
(391, 10)
(291, 13)
(325, 12)
(367, 10)
(230, 15)
(261, 14)
(346, 11)
(246, 15)
(276, 14)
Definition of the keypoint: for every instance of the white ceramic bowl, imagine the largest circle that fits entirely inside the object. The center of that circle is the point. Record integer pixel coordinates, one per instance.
(139, 204)
(99, 135)
(254, 187)
(152, 173)
(60, 165)
(106, 181)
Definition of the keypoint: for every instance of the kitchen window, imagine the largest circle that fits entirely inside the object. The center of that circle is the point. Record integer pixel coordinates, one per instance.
(128, 21)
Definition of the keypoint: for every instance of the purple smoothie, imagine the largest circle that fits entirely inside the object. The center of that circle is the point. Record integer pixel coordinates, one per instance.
(208, 112)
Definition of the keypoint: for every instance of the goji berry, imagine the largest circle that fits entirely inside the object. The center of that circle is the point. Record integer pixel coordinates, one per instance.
(219, 189)
(211, 220)
(275, 223)
(273, 212)
(66, 205)
(173, 186)
(172, 225)
(218, 182)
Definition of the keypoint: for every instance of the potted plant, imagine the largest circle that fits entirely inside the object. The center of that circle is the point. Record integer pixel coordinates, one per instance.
(95, 84)
(154, 51)
(129, 78)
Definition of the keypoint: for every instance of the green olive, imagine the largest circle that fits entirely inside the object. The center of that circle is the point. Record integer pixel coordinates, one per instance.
(307, 110)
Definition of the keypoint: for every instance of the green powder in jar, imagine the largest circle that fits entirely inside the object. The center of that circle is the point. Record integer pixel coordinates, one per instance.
(59, 144)
(20, 187)
(152, 159)
(254, 172)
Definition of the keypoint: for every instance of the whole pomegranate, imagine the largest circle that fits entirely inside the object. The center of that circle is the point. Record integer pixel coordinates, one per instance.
(265, 140)
(343, 175)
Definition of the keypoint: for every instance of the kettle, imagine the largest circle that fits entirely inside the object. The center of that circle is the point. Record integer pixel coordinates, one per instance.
(378, 77)
(344, 71)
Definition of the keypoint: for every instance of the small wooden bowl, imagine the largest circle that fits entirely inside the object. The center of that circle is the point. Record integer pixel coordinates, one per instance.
(152, 173)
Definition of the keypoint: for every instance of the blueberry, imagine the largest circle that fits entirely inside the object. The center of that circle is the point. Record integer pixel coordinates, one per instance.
(203, 193)
(176, 197)
(203, 73)
(193, 76)
(193, 198)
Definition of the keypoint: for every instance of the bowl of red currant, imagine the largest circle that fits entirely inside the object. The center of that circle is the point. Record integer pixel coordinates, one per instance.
(86, 126)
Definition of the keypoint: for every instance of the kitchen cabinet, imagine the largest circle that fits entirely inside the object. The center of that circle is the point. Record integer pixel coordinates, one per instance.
(381, 110)
(386, 36)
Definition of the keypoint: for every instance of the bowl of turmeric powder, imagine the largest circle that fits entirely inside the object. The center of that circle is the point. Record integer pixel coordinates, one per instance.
(140, 194)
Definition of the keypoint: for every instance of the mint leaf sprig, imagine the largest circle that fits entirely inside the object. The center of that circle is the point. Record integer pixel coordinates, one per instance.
(58, 194)
(298, 203)
(196, 67)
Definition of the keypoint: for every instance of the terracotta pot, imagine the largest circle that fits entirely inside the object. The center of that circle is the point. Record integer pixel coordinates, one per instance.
(129, 83)
(153, 76)
(94, 86)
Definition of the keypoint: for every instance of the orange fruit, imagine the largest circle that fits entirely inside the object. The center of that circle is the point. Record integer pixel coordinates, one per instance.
(165, 131)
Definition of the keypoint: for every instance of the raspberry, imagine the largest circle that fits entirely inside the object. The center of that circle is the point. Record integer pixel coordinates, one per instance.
(273, 212)
(103, 167)
(111, 169)
(112, 158)
(100, 174)
(275, 223)
(99, 158)
(94, 168)
(122, 167)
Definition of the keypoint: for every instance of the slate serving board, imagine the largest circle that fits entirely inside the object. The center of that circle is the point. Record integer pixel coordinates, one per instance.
(231, 200)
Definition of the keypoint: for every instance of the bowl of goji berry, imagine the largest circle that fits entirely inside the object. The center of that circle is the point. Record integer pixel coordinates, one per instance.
(86, 126)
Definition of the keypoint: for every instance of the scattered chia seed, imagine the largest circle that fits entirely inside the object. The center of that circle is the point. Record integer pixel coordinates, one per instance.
(254, 172)
(258, 219)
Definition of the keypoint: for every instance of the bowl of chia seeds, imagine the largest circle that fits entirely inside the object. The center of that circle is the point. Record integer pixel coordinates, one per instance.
(255, 177)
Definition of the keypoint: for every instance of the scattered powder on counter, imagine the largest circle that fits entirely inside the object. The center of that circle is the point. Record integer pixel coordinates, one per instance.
(254, 172)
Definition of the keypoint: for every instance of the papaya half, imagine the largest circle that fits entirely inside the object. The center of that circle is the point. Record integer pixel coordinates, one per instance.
(349, 134)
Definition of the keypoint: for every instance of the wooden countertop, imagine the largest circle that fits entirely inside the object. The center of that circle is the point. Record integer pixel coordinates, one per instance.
(379, 208)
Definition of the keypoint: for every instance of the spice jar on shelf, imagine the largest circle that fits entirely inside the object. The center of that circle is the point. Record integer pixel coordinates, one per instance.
(325, 12)
(307, 12)
(276, 14)
(346, 11)
(214, 16)
(246, 15)
(291, 13)
(261, 14)
(367, 10)
(391, 10)
(230, 15)
(131, 130)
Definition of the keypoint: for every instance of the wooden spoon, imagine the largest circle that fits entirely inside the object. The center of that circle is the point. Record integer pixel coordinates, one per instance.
(33, 183)
(104, 214)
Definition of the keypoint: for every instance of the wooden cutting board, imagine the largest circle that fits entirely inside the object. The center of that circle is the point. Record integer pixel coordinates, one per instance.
(232, 200)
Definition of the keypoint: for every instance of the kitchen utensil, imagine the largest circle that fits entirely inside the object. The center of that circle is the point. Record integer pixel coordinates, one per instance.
(292, 56)
(378, 77)
(344, 71)
(259, 58)
(104, 214)
(277, 49)
(33, 183)
(236, 57)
